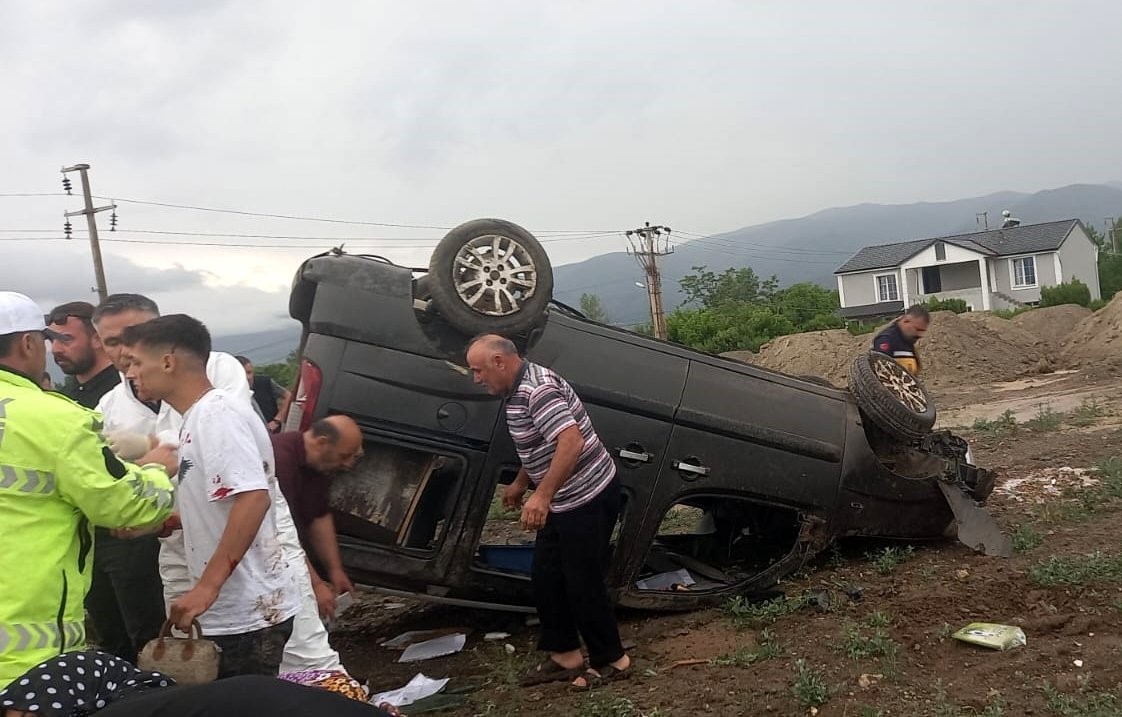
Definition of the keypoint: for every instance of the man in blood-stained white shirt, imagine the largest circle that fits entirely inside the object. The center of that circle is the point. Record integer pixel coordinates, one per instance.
(242, 589)
(133, 423)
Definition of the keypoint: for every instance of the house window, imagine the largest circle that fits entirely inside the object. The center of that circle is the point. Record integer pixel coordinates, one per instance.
(940, 251)
(887, 289)
(1024, 272)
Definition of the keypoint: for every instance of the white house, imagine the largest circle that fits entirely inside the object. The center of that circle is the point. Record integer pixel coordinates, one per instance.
(995, 269)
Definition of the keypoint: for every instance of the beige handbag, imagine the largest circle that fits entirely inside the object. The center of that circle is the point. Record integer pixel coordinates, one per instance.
(189, 660)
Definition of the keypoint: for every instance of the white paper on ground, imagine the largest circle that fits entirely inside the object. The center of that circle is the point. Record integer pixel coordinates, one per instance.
(664, 581)
(438, 647)
(418, 688)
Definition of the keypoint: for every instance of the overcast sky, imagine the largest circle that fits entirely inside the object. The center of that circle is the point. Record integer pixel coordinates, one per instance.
(705, 115)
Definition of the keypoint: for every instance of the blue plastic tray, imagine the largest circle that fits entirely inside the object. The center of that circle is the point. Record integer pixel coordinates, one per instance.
(515, 558)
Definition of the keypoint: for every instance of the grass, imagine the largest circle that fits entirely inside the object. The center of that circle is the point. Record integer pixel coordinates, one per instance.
(809, 686)
(680, 520)
(1010, 313)
(879, 618)
(497, 511)
(1084, 704)
(1078, 504)
(1045, 420)
(857, 644)
(508, 668)
(766, 649)
(886, 560)
(1026, 538)
(603, 704)
(945, 708)
(1087, 414)
(745, 614)
(1003, 425)
(1077, 570)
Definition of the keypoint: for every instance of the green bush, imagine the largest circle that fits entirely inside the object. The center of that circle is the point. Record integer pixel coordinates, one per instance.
(1069, 292)
(1097, 304)
(956, 305)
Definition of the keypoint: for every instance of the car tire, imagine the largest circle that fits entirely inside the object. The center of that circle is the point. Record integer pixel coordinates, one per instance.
(894, 399)
(490, 276)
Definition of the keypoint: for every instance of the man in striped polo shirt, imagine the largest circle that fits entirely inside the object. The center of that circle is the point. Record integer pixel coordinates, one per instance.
(574, 507)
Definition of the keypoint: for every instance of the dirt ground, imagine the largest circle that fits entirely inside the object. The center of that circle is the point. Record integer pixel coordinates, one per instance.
(890, 653)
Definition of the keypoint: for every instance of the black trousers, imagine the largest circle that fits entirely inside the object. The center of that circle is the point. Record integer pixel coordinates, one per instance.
(126, 597)
(253, 653)
(569, 580)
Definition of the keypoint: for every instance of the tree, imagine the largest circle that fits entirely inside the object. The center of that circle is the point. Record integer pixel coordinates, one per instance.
(283, 373)
(734, 310)
(1110, 273)
(1095, 235)
(731, 286)
(591, 307)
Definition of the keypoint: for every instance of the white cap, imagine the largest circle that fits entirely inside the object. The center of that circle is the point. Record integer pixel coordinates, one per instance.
(18, 314)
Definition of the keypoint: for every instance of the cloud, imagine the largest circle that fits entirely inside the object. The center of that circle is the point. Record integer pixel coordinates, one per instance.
(578, 115)
(57, 272)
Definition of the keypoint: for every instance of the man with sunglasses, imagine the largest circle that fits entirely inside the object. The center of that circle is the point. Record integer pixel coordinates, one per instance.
(126, 598)
(78, 351)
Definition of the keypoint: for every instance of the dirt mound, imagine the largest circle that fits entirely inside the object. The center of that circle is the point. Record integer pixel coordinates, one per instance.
(815, 353)
(1052, 324)
(1012, 331)
(959, 349)
(1098, 337)
(963, 351)
(741, 356)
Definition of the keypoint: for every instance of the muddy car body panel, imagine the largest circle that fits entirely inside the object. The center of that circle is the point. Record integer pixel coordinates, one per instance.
(774, 467)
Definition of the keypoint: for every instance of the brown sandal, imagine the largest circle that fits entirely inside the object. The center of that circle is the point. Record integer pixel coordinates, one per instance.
(548, 670)
(596, 678)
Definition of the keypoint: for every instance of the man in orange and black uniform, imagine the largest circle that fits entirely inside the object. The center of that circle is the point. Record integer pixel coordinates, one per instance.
(899, 339)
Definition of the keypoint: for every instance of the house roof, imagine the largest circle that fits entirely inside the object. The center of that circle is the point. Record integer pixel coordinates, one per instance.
(1024, 239)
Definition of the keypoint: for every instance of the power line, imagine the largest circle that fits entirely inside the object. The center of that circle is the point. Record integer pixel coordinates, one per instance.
(293, 217)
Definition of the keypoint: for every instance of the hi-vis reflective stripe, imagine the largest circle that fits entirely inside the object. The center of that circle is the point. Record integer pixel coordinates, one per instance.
(25, 480)
(164, 498)
(40, 636)
(903, 354)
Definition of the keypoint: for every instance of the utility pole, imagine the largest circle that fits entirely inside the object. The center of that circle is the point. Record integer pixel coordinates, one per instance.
(91, 221)
(648, 244)
(1111, 234)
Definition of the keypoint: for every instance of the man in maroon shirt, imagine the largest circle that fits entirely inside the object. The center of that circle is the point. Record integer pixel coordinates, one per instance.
(305, 463)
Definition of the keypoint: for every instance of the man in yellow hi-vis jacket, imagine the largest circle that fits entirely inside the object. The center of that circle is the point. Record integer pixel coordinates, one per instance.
(899, 339)
(58, 479)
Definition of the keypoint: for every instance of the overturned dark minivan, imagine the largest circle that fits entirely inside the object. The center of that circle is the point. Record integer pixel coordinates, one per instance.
(733, 475)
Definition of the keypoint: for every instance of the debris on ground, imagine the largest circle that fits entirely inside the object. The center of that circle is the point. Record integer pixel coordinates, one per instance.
(417, 688)
(431, 649)
(1045, 484)
(412, 637)
(993, 636)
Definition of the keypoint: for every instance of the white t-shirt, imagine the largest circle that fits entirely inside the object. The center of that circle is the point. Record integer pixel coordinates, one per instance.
(225, 450)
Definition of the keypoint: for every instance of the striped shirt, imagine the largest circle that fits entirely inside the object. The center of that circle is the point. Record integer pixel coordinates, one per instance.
(539, 408)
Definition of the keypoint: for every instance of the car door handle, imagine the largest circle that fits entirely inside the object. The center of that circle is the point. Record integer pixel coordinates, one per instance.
(638, 457)
(690, 468)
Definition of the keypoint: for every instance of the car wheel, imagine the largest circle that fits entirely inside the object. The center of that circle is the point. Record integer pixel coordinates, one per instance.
(489, 275)
(891, 397)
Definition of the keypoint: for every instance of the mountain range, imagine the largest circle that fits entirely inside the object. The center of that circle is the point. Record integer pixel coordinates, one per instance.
(808, 248)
